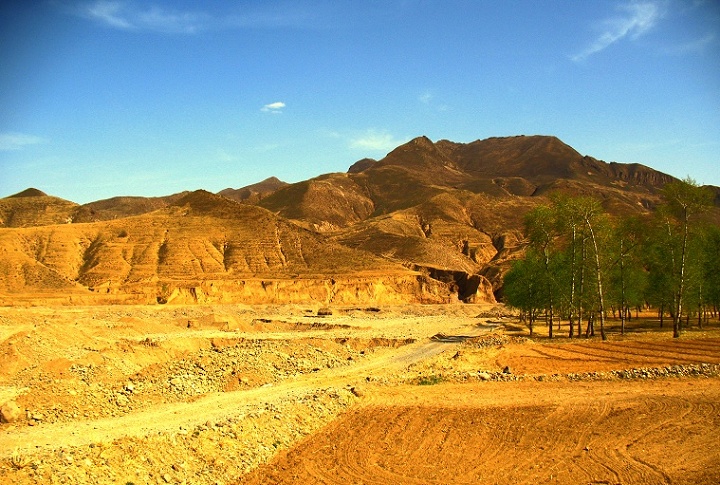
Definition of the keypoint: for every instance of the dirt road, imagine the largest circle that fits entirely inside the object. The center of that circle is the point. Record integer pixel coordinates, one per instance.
(218, 406)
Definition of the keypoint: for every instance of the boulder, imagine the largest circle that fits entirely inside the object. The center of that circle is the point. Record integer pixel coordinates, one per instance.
(10, 412)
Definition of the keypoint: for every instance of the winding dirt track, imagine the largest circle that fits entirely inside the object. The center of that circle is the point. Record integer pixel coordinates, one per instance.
(213, 407)
(517, 433)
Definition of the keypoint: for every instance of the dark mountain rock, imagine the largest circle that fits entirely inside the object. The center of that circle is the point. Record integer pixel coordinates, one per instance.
(362, 165)
(123, 206)
(30, 192)
(255, 192)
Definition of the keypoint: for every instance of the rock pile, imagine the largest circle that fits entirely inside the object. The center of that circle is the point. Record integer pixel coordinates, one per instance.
(89, 392)
(211, 453)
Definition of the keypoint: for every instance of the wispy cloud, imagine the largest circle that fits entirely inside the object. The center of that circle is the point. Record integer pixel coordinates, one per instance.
(17, 141)
(131, 16)
(428, 99)
(376, 141)
(134, 15)
(638, 18)
(694, 46)
(275, 107)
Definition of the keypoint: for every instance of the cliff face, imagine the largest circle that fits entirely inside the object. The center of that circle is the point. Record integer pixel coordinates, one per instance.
(342, 290)
(638, 175)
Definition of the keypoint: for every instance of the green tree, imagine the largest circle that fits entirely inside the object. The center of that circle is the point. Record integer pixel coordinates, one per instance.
(523, 287)
(541, 231)
(685, 200)
(660, 262)
(711, 267)
(596, 227)
(569, 223)
(627, 275)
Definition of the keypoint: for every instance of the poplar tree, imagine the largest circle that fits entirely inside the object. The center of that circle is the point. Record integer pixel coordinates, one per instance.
(685, 201)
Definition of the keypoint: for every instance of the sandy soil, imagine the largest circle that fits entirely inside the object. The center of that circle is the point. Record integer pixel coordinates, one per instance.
(279, 394)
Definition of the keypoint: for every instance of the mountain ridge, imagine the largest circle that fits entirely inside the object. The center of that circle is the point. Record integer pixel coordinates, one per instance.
(429, 222)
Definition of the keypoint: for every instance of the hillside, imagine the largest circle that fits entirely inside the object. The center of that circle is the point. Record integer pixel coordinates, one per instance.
(431, 221)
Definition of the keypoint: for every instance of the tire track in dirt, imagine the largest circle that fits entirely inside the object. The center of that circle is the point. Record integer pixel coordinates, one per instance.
(597, 433)
(563, 357)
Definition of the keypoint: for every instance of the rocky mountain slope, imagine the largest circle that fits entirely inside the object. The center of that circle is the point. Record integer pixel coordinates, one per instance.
(430, 222)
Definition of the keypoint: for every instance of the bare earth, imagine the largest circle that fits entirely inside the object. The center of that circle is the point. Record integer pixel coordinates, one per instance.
(393, 395)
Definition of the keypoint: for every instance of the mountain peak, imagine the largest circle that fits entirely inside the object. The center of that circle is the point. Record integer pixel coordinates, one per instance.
(361, 165)
(421, 142)
(253, 193)
(30, 192)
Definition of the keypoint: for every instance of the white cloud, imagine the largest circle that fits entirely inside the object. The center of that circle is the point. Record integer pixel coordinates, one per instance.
(376, 141)
(694, 46)
(425, 97)
(109, 13)
(638, 19)
(275, 107)
(130, 16)
(17, 141)
(137, 15)
(225, 156)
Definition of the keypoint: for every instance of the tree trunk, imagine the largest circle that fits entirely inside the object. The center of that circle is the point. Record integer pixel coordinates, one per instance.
(598, 271)
(677, 322)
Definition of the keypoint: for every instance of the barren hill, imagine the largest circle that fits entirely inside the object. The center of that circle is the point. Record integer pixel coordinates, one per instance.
(203, 248)
(253, 193)
(431, 221)
(32, 207)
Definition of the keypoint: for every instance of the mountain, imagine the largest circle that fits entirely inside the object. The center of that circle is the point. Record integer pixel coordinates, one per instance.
(253, 193)
(430, 222)
(119, 207)
(32, 207)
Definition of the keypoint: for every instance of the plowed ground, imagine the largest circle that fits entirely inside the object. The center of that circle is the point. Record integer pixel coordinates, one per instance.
(522, 433)
(601, 430)
(605, 356)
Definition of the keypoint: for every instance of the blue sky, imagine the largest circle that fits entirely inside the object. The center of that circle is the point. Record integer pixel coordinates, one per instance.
(102, 98)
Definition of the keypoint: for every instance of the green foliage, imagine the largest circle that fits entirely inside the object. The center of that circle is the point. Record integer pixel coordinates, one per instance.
(429, 380)
(524, 287)
(579, 259)
(711, 265)
(685, 200)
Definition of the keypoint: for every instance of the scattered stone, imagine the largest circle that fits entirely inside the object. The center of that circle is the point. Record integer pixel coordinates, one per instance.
(484, 376)
(358, 392)
(10, 412)
(506, 370)
(121, 400)
(324, 312)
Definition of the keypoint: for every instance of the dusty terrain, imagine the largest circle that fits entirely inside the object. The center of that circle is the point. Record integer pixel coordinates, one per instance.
(289, 394)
